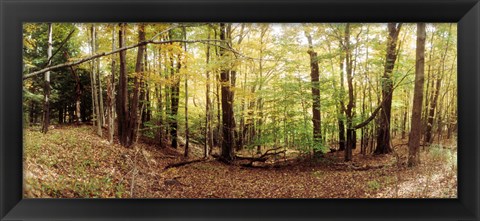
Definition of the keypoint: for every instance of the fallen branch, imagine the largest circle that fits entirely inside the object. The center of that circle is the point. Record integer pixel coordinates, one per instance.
(167, 156)
(264, 156)
(183, 163)
(253, 159)
(277, 164)
(367, 167)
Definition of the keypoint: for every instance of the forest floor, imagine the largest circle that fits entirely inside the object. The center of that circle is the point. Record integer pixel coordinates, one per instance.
(72, 162)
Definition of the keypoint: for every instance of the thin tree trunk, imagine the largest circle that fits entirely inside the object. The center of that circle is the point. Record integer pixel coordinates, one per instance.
(100, 91)
(434, 96)
(158, 91)
(110, 96)
(341, 122)
(187, 132)
(95, 72)
(78, 92)
(208, 119)
(46, 88)
(174, 98)
(427, 90)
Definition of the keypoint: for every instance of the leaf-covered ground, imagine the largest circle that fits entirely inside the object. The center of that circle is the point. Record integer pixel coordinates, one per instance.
(72, 162)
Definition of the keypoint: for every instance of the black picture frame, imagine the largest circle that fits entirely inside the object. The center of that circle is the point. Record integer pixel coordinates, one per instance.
(14, 13)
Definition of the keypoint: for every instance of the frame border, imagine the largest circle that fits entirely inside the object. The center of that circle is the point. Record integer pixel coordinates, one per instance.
(14, 13)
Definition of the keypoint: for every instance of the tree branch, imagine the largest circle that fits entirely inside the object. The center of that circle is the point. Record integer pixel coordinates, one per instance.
(374, 113)
(98, 55)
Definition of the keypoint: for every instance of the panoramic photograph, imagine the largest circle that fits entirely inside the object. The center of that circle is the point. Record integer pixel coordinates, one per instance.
(240, 110)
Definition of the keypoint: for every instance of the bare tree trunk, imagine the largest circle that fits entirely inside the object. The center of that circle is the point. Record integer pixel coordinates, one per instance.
(228, 144)
(431, 111)
(174, 99)
(341, 106)
(208, 119)
(122, 94)
(435, 95)
(404, 121)
(416, 130)
(159, 95)
(187, 138)
(315, 80)
(78, 92)
(46, 89)
(94, 83)
(101, 113)
(428, 77)
(383, 134)
(137, 79)
(110, 95)
(351, 103)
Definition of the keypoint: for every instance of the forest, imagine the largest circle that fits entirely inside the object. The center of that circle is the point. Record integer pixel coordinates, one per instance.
(240, 110)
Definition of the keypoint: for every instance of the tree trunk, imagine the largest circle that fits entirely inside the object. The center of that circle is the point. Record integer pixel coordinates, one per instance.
(428, 77)
(110, 96)
(351, 103)
(228, 144)
(416, 129)
(187, 131)
(100, 91)
(94, 78)
(431, 111)
(208, 112)
(383, 134)
(315, 80)
(159, 95)
(404, 121)
(46, 88)
(341, 122)
(435, 95)
(174, 98)
(78, 92)
(137, 79)
(122, 93)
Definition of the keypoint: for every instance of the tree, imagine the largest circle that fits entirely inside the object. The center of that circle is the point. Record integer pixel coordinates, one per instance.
(94, 78)
(415, 132)
(208, 103)
(137, 79)
(383, 133)
(110, 94)
(349, 112)
(187, 129)
(46, 89)
(431, 110)
(122, 93)
(314, 75)
(174, 94)
(228, 122)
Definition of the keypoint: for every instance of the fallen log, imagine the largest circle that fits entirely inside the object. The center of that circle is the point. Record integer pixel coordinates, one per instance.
(183, 163)
(263, 157)
(367, 167)
(277, 164)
